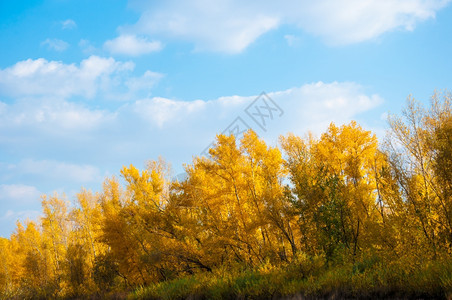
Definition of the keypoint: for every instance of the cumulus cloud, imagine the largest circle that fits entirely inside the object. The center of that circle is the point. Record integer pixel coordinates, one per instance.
(68, 24)
(308, 107)
(231, 25)
(55, 79)
(132, 45)
(313, 106)
(55, 44)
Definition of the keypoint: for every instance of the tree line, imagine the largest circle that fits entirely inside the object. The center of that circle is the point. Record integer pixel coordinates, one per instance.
(340, 196)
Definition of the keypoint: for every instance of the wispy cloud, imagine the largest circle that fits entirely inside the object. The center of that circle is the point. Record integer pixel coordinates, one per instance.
(231, 25)
(55, 44)
(68, 24)
(226, 26)
(132, 45)
(87, 47)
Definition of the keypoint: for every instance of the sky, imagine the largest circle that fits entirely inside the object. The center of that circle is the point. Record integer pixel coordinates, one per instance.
(87, 87)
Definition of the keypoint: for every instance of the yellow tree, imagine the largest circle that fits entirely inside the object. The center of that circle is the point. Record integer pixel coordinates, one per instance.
(134, 227)
(7, 258)
(55, 232)
(237, 202)
(16, 258)
(307, 178)
(334, 182)
(144, 210)
(439, 125)
(264, 173)
(84, 242)
(419, 150)
(121, 257)
(214, 188)
(30, 263)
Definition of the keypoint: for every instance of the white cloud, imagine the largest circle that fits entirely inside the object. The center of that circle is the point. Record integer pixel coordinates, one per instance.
(143, 83)
(353, 21)
(161, 110)
(94, 75)
(33, 123)
(223, 26)
(309, 107)
(132, 45)
(55, 44)
(19, 193)
(149, 127)
(87, 47)
(68, 24)
(231, 25)
(51, 115)
(314, 106)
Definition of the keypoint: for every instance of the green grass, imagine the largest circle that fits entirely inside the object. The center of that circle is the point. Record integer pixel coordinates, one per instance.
(311, 277)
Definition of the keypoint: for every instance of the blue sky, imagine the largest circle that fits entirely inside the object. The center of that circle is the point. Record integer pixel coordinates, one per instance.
(89, 86)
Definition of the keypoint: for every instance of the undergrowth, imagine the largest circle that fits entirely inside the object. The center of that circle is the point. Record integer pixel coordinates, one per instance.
(313, 278)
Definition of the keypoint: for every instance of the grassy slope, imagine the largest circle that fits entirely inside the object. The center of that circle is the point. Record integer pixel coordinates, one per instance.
(310, 277)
